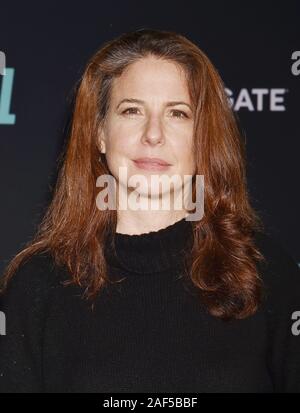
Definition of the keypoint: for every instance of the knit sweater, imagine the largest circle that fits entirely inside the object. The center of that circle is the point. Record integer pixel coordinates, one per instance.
(148, 332)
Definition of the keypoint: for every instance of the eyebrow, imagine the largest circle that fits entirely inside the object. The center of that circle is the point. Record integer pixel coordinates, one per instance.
(141, 102)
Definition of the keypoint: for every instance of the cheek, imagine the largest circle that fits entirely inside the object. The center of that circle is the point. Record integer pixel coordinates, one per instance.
(120, 138)
(188, 164)
(185, 156)
(118, 149)
(117, 143)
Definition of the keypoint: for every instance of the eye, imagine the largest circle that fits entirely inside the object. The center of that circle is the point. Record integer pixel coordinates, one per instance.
(179, 114)
(130, 111)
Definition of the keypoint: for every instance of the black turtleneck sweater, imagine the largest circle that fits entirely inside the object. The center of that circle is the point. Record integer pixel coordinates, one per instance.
(148, 333)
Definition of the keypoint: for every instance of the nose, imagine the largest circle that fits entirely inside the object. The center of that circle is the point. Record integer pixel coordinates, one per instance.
(153, 133)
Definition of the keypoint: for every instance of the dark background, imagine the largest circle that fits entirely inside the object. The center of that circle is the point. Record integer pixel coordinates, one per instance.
(48, 44)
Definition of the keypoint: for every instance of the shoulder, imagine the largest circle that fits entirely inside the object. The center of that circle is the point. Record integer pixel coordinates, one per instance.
(32, 280)
(279, 271)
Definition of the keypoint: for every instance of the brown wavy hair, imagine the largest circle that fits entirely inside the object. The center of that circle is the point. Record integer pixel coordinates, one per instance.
(222, 261)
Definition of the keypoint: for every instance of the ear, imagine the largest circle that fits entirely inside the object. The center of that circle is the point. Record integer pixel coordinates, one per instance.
(101, 141)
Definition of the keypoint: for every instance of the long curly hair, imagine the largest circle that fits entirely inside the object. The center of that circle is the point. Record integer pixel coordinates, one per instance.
(223, 258)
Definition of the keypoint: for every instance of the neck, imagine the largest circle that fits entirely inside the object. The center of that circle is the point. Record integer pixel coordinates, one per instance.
(140, 222)
(150, 212)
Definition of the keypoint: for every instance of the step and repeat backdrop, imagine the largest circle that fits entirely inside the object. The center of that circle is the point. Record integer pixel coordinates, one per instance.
(43, 50)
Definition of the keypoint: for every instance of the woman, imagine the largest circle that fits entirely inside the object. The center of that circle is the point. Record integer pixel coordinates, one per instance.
(150, 300)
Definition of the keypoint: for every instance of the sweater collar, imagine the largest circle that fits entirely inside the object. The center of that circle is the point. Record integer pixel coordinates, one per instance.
(150, 252)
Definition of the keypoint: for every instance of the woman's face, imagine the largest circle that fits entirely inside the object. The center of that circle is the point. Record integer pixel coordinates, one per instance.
(156, 123)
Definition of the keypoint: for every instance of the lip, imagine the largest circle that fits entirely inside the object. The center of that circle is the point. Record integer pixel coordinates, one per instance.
(151, 163)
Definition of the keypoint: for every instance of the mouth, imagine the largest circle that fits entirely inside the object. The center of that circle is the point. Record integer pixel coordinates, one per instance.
(151, 164)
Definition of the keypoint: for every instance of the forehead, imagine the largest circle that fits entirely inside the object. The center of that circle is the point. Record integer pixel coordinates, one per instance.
(151, 78)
